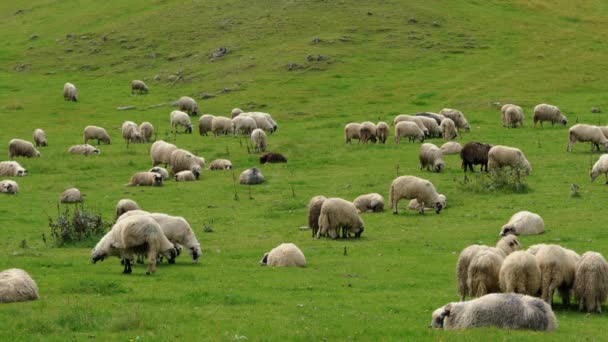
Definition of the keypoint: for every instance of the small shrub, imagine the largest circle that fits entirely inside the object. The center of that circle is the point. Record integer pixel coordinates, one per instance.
(574, 190)
(76, 225)
(208, 228)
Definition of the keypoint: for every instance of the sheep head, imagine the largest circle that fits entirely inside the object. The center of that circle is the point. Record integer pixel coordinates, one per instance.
(158, 179)
(506, 230)
(188, 129)
(21, 172)
(97, 256)
(439, 316)
(195, 253)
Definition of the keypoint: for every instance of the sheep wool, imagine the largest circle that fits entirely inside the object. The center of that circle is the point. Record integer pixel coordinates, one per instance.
(160, 152)
(367, 132)
(186, 176)
(430, 157)
(408, 129)
(179, 231)
(147, 131)
(85, 149)
(373, 202)
(17, 286)
(8, 186)
(284, 255)
(414, 205)
(125, 205)
(314, 211)
(455, 115)
(557, 271)
(524, 223)
(182, 160)
(204, 124)
(12, 169)
(251, 176)
(258, 139)
(72, 195)
(188, 105)
(131, 132)
(432, 126)
(382, 131)
(220, 164)
(587, 133)
(96, 133)
(221, 125)
(475, 153)
(146, 179)
(412, 187)
(243, 125)
(236, 112)
(338, 215)
(352, 131)
(448, 129)
(600, 166)
(21, 148)
(139, 87)
(591, 282)
(69, 92)
(545, 112)
(179, 118)
(40, 138)
(511, 115)
(502, 156)
(161, 171)
(483, 273)
(451, 147)
(520, 273)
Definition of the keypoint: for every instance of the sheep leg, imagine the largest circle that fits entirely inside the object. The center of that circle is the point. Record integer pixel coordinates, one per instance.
(140, 259)
(151, 260)
(127, 269)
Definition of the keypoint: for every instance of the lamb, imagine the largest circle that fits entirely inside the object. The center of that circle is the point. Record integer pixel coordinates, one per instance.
(133, 234)
(286, 255)
(188, 105)
(545, 112)
(272, 157)
(236, 112)
(160, 152)
(591, 282)
(586, 133)
(147, 131)
(258, 139)
(21, 148)
(352, 131)
(382, 131)
(337, 214)
(475, 153)
(408, 129)
(17, 286)
(8, 186)
(40, 138)
(314, 211)
(483, 273)
(12, 169)
(161, 171)
(125, 205)
(410, 187)
(412, 118)
(431, 156)
(179, 118)
(220, 164)
(131, 132)
(367, 132)
(69, 92)
(243, 124)
(500, 156)
(138, 86)
(71, 195)
(204, 124)
(455, 115)
(146, 179)
(520, 273)
(251, 176)
(85, 149)
(182, 160)
(221, 125)
(432, 126)
(373, 202)
(451, 147)
(414, 205)
(187, 176)
(512, 115)
(263, 121)
(94, 132)
(500, 310)
(557, 271)
(437, 117)
(448, 129)
(524, 223)
(600, 166)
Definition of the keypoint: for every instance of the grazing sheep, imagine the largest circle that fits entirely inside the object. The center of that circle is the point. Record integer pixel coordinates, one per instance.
(263, 121)
(451, 147)
(500, 156)
(243, 124)
(475, 153)
(131, 132)
(448, 129)
(412, 118)
(512, 115)
(72, 195)
(544, 112)
(21, 148)
(587, 133)
(352, 131)
(557, 271)
(285, 254)
(221, 125)
(182, 160)
(520, 273)
(339, 215)
(220, 164)
(373, 202)
(40, 138)
(591, 282)
(188, 105)
(500, 310)
(125, 205)
(181, 119)
(160, 152)
(483, 273)
(8, 186)
(204, 124)
(251, 176)
(272, 157)
(258, 139)
(147, 131)
(600, 166)
(411, 187)
(437, 117)
(432, 126)
(455, 115)
(161, 171)
(314, 211)
(236, 112)
(431, 156)
(186, 176)
(524, 223)
(12, 169)
(17, 286)
(367, 132)
(408, 129)
(94, 132)
(85, 149)
(146, 179)
(138, 86)
(69, 92)
(414, 205)
(382, 131)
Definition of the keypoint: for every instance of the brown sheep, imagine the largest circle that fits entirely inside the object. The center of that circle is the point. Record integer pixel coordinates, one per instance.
(475, 153)
(272, 157)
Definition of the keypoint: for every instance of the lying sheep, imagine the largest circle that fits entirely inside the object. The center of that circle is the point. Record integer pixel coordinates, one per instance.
(188, 105)
(251, 176)
(448, 129)
(272, 157)
(412, 118)
(161, 171)
(411, 187)
(600, 166)
(187, 176)
(17, 286)
(587, 133)
(455, 115)
(204, 124)
(414, 205)
(94, 132)
(557, 271)
(131, 133)
(285, 254)
(160, 152)
(243, 125)
(147, 131)
(524, 223)
(263, 121)
(367, 132)
(475, 153)
(373, 202)
(12, 169)
(500, 156)
(179, 118)
(431, 156)
(69, 92)
(314, 211)
(21, 148)
(182, 160)
(544, 112)
(146, 179)
(125, 205)
(8, 186)
(408, 129)
(221, 125)
(139, 87)
(520, 273)
(258, 139)
(437, 117)
(483, 273)
(40, 138)
(85, 149)
(71, 195)
(352, 131)
(220, 164)
(339, 215)
(236, 112)
(500, 310)
(432, 126)
(451, 147)
(511, 115)
(591, 282)
(382, 131)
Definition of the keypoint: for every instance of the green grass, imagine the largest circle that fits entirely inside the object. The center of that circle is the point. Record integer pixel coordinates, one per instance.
(377, 65)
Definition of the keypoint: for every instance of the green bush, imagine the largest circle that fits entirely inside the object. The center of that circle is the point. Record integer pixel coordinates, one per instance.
(76, 224)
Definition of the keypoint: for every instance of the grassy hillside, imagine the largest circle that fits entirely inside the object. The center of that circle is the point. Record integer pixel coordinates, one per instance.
(378, 60)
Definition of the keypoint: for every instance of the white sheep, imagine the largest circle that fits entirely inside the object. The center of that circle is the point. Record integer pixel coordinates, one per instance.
(17, 286)
(430, 156)
(8, 186)
(138, 86)
(161, 171)
(455, 115)
(483, 273)
(600, 166)
(524, 223)
(125, 205)
(21, 148)
(352, 131)
(591, 282)
(188, 105)
(146, 179)
(587, 133)
(286, 255)
(12, 169)
(373, 202)
(221, 125)
(408, 129)
(314, 211)
(411, 187)
(131, 133)
(147, 131)
(69, 92)
(258, 139)
(520, 273)
(98, 133)
(160, 152)
(367, 132)
(71, 195)
(182, 160)
(448, 129)
(179, 118)
(85, 149)
(204, 124)
(186, 176)
(338, 215)
(414, 205)
(500, 156)
(251, 176)
(432, 126)
(220, 164)
(544, 112)
(451, 147)
(382, 131)
(243, 125)
(412, 118)
(512, 115)
(263, 121)
(236, 112)
(40, 137)
(178, 231)
(557, 271)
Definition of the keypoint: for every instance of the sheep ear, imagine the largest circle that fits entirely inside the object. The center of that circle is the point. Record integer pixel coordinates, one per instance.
(446, 310)
(516, 242)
